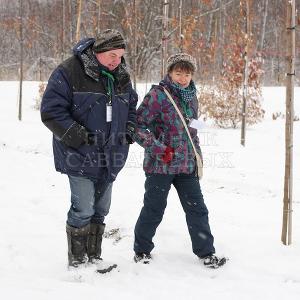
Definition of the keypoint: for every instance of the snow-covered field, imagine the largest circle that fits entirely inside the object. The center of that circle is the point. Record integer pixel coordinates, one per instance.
(243, 188)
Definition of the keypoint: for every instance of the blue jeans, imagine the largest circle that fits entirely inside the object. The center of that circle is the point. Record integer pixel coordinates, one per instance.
(157, 188)
(90, 201)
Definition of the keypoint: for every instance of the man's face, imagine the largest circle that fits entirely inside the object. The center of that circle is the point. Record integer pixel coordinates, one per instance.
(110, 59)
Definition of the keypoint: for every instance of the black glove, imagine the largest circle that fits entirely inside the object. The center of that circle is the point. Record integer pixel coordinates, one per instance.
(130, 132)
(95, 138)
(78, 135)
(129, 139)
(74, 136)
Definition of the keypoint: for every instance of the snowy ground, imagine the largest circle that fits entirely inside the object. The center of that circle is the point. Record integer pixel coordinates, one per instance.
(243, 188)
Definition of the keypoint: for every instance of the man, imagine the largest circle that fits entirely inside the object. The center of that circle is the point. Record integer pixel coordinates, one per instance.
(90, 107)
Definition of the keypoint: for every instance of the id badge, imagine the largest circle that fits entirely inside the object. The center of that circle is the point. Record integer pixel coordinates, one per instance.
(108, 113)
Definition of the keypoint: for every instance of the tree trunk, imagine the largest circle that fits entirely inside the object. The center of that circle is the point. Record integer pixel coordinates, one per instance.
(245, 84)
(263, 30)
(134, 44)
(71, 21)
(99, 17)
(164, 49)
(63, 25)
(286, 235)
(78, 20)
(21, 59)
(180, 27)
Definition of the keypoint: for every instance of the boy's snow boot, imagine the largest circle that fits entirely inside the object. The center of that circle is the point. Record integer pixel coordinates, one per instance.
(77, 244)
(144, 258)
(94, 242)
(212, 261)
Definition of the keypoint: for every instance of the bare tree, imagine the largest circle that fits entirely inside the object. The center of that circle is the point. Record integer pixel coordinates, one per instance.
(21, 59)
(165, 34)
(245, 83)
(286, 234)
(180, 27)
(63, 25)
(99, 17)
(134, 43)
(78, 20)
(264, 22)
(205, 25)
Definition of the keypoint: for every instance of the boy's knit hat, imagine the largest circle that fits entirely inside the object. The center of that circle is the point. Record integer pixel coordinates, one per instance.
(180, 57)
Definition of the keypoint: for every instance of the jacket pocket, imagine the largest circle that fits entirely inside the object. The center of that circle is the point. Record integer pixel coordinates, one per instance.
(84, 102)
(124, 98)
(122, 101)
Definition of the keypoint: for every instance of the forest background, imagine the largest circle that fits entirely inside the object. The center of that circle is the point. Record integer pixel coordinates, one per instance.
(214, 31)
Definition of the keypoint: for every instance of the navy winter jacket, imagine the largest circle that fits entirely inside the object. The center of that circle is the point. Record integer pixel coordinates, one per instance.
(74, 108)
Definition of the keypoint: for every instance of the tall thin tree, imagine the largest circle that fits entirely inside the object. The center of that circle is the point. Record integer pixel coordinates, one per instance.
(180, 27)
(99, 16)
(245, 83)
(21, 59)
(70, 12)
(286, 234)
(63, 25)
(134, 43)
(165, 35)
(78, 20)
(263, 27)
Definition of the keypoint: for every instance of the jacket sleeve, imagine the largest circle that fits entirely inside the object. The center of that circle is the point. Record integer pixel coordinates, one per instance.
(56, 110)
(194, 136)
(132, 106)
(147, 112)
(197, 145)
(131, 121)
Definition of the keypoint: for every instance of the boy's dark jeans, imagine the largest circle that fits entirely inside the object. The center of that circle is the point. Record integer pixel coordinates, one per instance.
(157, 187)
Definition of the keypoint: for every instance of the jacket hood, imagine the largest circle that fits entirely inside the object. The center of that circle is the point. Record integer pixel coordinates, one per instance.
(166, 82)
(82, 45)
(83, 50)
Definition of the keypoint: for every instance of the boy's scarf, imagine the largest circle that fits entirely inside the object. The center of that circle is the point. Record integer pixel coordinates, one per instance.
(186, 96)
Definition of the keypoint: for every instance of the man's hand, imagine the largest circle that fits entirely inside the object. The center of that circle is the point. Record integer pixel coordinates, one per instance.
(130, 131)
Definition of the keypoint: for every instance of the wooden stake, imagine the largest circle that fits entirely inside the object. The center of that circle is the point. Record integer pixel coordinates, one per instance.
(286, 235)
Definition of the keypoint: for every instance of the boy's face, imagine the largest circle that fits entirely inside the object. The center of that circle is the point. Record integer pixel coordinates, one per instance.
(181, 77)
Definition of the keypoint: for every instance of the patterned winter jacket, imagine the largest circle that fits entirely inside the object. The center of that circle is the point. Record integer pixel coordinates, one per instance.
(159, 126)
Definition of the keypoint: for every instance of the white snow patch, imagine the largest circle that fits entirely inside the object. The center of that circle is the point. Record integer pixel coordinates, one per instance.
(242, 187)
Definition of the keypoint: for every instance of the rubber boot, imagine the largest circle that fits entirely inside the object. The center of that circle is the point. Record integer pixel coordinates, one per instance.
(94, 242)
(77, 245)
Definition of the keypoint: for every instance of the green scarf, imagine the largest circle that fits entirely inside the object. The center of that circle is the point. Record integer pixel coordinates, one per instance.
(110, 83)
(186, 96)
